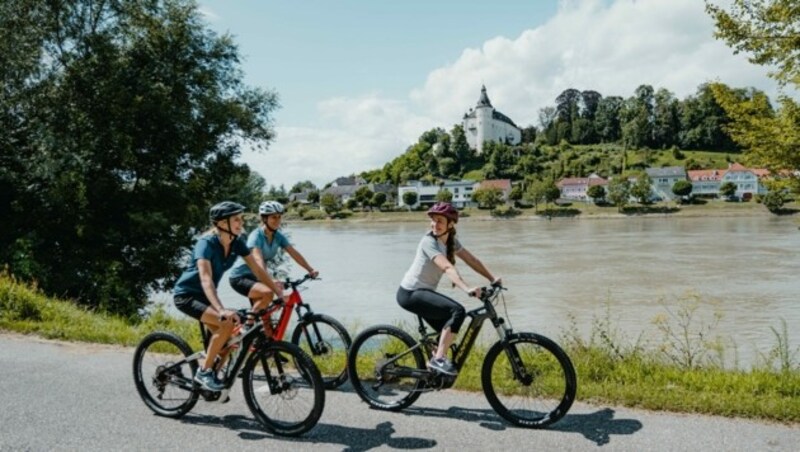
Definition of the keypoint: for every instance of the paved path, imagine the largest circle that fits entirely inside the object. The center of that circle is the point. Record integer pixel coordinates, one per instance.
(65, 396)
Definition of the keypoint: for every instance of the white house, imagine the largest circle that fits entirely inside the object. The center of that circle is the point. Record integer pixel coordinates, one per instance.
(484, 123)
(662, 180)
(426, 192)
(576, 188)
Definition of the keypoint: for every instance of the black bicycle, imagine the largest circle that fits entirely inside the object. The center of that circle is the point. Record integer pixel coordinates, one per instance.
(282, 386)
(527, 378)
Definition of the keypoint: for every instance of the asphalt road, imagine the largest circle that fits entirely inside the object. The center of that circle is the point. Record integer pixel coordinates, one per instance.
(66, 396)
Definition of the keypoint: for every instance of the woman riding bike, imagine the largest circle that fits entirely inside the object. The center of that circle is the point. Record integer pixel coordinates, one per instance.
(435, 256)
(196, 290)
(264, 242)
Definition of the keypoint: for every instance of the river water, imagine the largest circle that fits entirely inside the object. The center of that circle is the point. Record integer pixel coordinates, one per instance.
(567, 274)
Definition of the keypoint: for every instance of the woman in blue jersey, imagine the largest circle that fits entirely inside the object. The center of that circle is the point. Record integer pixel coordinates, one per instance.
(264, 242)
(196, 289)
(436, 256)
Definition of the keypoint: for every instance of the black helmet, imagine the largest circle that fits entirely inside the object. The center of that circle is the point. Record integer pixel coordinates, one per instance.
(225, 209)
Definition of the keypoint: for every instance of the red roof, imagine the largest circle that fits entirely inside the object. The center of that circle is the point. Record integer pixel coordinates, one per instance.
(502, 184)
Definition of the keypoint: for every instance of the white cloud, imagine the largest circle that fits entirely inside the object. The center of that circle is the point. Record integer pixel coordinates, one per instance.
(609, 47)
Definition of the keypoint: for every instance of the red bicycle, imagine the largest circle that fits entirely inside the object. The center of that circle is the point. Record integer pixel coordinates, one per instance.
(322, 337)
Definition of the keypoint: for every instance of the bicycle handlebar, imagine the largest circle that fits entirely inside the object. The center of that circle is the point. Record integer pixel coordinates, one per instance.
(294, 283)
(488, 292)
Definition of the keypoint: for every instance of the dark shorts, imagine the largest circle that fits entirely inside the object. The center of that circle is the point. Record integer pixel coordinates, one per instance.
(192, 305)
(242, 284)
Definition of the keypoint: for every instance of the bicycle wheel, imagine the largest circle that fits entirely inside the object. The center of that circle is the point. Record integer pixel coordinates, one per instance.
(542, 393)
(326, 341)
(380, 364)
(283, 388)
(164, 382)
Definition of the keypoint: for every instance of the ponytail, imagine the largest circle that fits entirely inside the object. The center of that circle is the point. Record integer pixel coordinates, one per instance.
(451, 245)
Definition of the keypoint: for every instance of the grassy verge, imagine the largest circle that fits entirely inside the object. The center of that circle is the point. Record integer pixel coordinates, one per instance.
(679, 374)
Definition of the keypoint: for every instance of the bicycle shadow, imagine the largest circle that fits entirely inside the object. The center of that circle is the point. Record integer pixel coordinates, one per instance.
(597, 427)
(352, 438)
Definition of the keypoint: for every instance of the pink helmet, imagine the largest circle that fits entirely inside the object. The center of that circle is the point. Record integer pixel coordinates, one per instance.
(445, 209)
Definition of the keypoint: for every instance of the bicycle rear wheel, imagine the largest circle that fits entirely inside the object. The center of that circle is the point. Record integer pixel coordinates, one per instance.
(164, 383)
(544, 389)
(283, 388)
(380, 363)
(326, 341)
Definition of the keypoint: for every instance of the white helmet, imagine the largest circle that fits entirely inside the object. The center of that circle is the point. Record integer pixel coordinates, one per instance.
(270, 207)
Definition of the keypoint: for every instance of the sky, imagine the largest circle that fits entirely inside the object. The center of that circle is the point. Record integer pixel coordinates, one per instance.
(360, 81)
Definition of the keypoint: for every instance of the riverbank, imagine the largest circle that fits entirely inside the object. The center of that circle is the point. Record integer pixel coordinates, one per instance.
(572, 211)
(609, 370)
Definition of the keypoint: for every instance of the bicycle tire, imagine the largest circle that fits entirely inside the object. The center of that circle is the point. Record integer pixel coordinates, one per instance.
(370, 350)
(157, 382)
(551, 383)
(281, 380)
(328, 349)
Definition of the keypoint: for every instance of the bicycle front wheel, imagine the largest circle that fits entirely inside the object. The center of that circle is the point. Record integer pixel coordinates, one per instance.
(535, 391)
(326, 341)
(163, 378)
(283, 388)
(382, 363)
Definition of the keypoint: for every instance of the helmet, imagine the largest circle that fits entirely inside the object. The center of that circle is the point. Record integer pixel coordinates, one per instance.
(225, 209)
(270, 207)
(446, 209)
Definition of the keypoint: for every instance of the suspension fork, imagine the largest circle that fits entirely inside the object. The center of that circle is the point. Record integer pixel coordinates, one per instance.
(517, 366)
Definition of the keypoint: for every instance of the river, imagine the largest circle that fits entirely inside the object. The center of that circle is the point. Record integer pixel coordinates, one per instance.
(567, 274)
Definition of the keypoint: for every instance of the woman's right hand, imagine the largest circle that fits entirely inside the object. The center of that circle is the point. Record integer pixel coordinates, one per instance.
(475, 292)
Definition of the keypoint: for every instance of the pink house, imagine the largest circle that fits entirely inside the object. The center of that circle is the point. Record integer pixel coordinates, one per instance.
(576, 187)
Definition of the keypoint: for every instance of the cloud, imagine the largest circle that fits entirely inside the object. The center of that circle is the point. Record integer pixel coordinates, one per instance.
(610, 47)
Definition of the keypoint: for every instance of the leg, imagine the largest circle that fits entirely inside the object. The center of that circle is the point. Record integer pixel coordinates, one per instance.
(442, 313)
(220, 333)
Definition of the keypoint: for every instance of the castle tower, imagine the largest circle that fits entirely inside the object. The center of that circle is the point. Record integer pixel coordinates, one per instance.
(484, 123)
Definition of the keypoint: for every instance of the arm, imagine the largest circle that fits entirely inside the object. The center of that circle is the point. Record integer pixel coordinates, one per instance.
(207, 282)
(475, 264)
(450, 270)
(301, 260)
(262, 275)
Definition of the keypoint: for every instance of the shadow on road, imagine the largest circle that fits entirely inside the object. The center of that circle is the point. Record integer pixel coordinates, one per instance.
(352, 438)
(598, 426)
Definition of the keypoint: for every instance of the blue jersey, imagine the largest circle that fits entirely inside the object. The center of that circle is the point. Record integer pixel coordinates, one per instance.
(209, 247)
(269, 249)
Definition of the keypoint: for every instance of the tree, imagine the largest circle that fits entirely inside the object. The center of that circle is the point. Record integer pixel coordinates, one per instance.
(444, 195)
(682, 188)
(542, 191)
(489, 197)
(768, 31)
(329, 203)
(122, 123)
(619, 192)
(410, 198)
(727, 189)
(642, 188)
(597, 193)
(378, 199)
(773, 201)
(363, 196)
(300, 187)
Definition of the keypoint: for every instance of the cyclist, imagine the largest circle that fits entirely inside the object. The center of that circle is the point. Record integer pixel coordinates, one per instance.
(435, 256)
(264, 242)
(196, 290)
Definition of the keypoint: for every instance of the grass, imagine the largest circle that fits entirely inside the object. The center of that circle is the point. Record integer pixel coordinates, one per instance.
(611, 369)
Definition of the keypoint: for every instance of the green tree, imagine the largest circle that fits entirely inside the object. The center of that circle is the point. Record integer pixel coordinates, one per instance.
(767, 31)
(303, 186)
(410, 198)
(363, 196)
(329, 203)
(378, 199)
(727, 189)
(444, 195)
(774, 201)
(619, 192)
(542, 191)
(642, 188)
(682, 188)
(597, 193)
(489, 198)
(122, 123)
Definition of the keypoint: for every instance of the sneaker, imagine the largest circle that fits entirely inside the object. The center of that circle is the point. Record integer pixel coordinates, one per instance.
(442, 365)
(207, 380)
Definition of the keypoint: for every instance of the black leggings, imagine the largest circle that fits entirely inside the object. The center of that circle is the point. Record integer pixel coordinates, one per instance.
(436, 309)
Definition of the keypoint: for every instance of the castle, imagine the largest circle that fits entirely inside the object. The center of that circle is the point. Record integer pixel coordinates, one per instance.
(484, 123)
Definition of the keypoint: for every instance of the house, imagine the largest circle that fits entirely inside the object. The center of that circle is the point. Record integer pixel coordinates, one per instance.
(426, 192)
(663, 179)
(301, 198)
(504, 185)
(576, 188)
(484, 123)
(747, 180)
